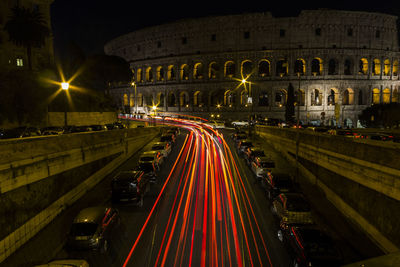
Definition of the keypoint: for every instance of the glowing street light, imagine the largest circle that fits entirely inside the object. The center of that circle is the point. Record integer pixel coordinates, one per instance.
(65, 85)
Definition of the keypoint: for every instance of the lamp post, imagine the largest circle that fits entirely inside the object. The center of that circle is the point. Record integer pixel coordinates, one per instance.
(65, 87)
(249, 101)
(134, 85)
(154, 107)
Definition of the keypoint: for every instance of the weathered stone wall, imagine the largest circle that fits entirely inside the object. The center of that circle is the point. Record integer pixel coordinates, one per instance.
(360, 177)
(40, 177)
(81, 118)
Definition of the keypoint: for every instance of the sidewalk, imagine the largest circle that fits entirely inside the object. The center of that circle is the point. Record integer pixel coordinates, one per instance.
(354, 244)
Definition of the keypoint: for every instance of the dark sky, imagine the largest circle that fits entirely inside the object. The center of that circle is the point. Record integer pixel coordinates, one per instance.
(91, 23)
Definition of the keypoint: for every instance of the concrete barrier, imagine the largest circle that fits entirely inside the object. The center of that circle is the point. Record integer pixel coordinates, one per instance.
(362, 179)
(40, 177)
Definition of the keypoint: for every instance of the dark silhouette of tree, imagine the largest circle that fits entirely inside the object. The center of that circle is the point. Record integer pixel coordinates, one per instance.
(381, 115)
(289, 111)
(27, 28)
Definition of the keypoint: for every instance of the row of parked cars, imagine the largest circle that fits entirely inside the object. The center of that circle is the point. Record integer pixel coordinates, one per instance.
(25, 131)
(307, 243)
(93, 227)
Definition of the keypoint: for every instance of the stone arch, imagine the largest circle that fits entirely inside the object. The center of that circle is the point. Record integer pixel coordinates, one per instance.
(348, 97)
(213, 70)
(316, 97)
(198, 71)
(243, 97)
(300, 97)
(316, 66)
(332, 67)
(282, 67)
(264, 68)
(171, 99)
(363, 66)
(198, 100)
(216, 97)
(139, 75)
(376, 67)
(184, 72)
(171, 73)
(246, 68)
(386, 67)
(160, 73)
(140, 100)
(376, 96)
(395, 70)
(395, 95)
(386, 96)
(360, 97)
(183, 98)
(126, 99)
(348, 66)
(160, 100)
(300, 66)
(149, 74)
(333, 96)
(280, 97)
(229, 69)
(263, 99)
(229, 98)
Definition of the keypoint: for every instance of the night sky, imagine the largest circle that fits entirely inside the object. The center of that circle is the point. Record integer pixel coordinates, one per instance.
(91, 23)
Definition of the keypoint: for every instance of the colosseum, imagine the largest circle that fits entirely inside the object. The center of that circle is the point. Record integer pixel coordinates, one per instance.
(237, 66)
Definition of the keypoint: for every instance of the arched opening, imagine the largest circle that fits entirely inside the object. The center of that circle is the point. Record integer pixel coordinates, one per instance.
(160, 73)
(316, 97)
(217, 98)
(229, 69)
(386, 96)
(126, 103)
(386, 67)
(264, 68)
(229, 98)
(316, 67)
(333, 97)
(139, 75)
(280, 98)
(360, 97)
(160, 100)
(243, 97)
(246, 69)
(300, 66)
(140, 100)
(395, 67)
(197, 101)
(376, 67)
(184, 72)
(348, 97)
(184, 99)
(213, 70)
(171, 100)
(282, 67)
(332, 67)
(348, 67)
(363, 66)
(198, 71)
(376, 96)
(263, 99)
(149, 74)
(300, 97)
(171, 73)
(395, 96)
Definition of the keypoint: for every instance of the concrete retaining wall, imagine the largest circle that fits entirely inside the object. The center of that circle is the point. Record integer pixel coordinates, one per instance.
(40, 177)
(362, 178)
(80, 118)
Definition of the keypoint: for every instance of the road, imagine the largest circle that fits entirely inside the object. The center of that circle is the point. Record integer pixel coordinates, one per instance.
(205, 209)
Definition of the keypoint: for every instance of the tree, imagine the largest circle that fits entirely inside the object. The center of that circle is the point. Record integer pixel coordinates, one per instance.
(27, 28)
(289, 111)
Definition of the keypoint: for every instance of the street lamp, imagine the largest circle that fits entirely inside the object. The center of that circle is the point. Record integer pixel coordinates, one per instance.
(65, 87)
(134, 84)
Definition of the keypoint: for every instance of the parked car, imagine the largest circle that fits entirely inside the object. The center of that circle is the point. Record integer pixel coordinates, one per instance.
(309, 246)
(380, 137)
(65, 263)
(21, 132)
(52, 130)
(216, 124)
(163, 147)
(346, 133)
(251, 152)
(240, 137)
(276, 183)
(292, 208)
(152, 157)
(98, 127)
(261, 166)
(130, 186)
(243, 145)
(168, 138)
(236, 133)
(92, 228)
(240, 124)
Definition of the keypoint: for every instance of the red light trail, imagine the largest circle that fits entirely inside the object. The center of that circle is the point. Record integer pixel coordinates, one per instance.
(210, 220)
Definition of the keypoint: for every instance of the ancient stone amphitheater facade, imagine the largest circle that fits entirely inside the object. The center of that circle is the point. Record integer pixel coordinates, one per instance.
(338, 62)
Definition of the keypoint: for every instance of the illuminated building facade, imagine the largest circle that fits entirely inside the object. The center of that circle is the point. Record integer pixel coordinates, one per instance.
(339, 62)
(12, 56)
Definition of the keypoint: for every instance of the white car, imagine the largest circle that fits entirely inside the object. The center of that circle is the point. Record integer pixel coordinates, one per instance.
(66, 263)
(240, 123)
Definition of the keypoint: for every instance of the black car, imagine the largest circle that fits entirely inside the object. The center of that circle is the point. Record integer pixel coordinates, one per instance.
(21, 132)
(243, 145)
(276, 183)
(251, 152)
(92, 228)
(130, 186)
(309, 246)
(167, 138)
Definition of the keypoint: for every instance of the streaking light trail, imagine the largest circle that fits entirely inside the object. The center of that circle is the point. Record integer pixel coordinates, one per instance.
(209, 219)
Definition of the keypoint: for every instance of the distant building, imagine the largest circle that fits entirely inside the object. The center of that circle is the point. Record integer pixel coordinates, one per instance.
(12, 56)
(339, 63)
